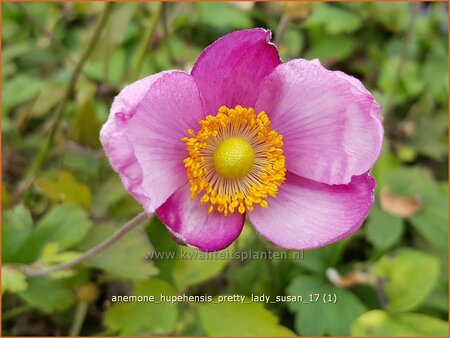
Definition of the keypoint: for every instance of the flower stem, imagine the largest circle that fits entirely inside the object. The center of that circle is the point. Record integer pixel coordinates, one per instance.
(80, 315)
(281, 29)
(415, 7)
(31, 271)
(145, 42)
(17, 311)
(44, 150)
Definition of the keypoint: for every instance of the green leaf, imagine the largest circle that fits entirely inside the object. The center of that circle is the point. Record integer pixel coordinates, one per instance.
(48, 294)
(292, 44)
(19, 90)
(6, 197)
(126, 258)
(432, 219)
(115, 29)
(406, 277)
(335, 318)
(66, 225)
(86, 124)
(13, 280)
(144, 318)
(83, 165)
(318, 260)
(330, 47)
(386, 163)
(382, 229)
(165, 246)
(110, 192)
(195, 267)
(240, 319)
(435, 72)
(48, 98)
(438, 298)
(61, 186)
(333, 19)
(383, 324)
(222, 15)
(16, 229)
(430, 130)
(394, 16)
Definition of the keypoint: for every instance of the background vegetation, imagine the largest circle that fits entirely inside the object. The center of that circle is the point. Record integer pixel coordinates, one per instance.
(62, 64)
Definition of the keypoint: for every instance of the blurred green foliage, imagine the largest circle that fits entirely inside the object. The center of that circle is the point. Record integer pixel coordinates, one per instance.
(394, 271)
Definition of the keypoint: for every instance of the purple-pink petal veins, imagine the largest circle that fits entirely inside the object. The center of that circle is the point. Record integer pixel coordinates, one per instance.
(230, 71)
(308, 214)
(142, 135)
(190, 223)
(331, 125)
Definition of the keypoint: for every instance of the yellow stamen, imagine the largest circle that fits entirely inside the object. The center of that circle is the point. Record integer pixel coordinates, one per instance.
(235, 160)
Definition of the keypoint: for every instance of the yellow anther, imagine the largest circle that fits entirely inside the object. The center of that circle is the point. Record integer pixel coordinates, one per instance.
(235, 160)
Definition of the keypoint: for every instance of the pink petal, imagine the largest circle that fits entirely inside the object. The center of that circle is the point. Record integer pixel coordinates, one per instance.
(306, 214)
(189, 222)
(331, 125)
(230, 71)
(142, 135)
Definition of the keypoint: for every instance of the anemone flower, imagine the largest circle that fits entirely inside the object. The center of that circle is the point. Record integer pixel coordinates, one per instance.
(288, 145)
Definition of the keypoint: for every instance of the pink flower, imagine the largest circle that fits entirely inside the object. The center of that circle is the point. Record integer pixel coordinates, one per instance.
(287, 144)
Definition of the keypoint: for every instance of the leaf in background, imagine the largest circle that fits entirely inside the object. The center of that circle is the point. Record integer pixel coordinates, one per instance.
(292, 44)
(319, 318)
(393, 15)
(84, 165)
(13, 280)
(107, 194)
(432, 220)
(410, 84)
(221, 14)
(48, 294)
(399, 206)
(406, 277)
(236, 319)
(125, 208)
(86, 124)
(61, 186)
(19, 90)
(198, 267)
(12, 52)
(66, 225)
(51, 254)
(438, 298)
(50, 95)
(428, 127)
(252, 277)
(114, 32)
(383, 324)
(334, 19)
(330, 47)
(6, 197)
(386, 163)
(164, 244)
(318, 260)
(144, 318)
(126, 258)
(16, 229)
(435, 72)
(110, 72)
(430, 137)
(382, 229)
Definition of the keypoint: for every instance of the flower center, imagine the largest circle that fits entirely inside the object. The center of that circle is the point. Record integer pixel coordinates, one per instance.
(234, 157)
(235, 160)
